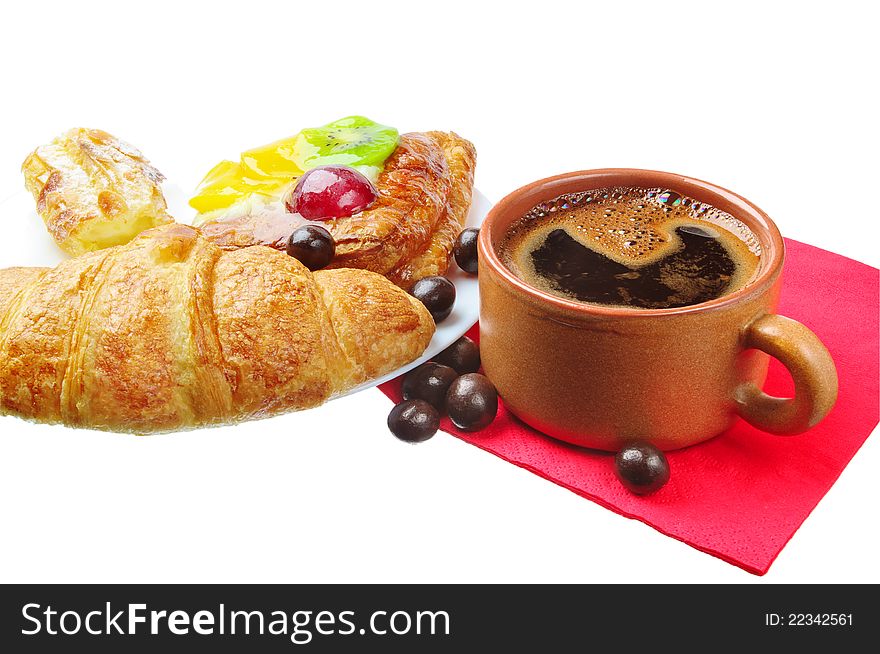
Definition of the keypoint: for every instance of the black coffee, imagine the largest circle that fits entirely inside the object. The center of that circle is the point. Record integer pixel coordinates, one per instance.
(632, 247)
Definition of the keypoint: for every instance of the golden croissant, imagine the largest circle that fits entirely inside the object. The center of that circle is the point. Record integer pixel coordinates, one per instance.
(170, 332)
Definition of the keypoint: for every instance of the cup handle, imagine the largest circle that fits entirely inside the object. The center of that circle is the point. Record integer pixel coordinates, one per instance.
(811, 368)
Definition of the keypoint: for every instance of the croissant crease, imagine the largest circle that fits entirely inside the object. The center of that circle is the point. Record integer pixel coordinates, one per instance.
(170, 332)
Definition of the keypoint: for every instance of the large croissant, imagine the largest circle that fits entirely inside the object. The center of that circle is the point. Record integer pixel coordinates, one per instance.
(169, 332)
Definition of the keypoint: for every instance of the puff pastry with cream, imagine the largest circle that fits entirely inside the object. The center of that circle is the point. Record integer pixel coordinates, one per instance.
(94, 190)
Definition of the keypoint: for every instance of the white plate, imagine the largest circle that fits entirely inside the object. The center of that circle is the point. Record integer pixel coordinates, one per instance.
(27, 243)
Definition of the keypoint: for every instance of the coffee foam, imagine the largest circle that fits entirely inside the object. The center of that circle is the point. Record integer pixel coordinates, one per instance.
(634, 226)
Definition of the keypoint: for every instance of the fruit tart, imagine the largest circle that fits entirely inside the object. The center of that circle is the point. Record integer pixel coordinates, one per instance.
(393, 204)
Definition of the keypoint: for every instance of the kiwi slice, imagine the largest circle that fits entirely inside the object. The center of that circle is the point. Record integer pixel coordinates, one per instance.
(353, 141)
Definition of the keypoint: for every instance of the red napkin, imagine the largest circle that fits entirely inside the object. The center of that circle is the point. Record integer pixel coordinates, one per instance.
(740, 496)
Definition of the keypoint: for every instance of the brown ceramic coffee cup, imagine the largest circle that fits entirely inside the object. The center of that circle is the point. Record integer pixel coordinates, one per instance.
(599, 376)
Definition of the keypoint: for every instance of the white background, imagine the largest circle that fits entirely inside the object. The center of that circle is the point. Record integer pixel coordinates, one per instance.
(774, 102)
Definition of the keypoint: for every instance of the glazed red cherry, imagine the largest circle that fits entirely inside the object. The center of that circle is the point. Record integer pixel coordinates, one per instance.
(331, 192)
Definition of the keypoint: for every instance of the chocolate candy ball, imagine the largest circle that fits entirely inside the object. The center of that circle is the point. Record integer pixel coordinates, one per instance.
(312, 245)
(462, 356)
(429, 382)
(413, 421)
(465, 250)
(437, 294)
(641, 467)
(472, 401)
